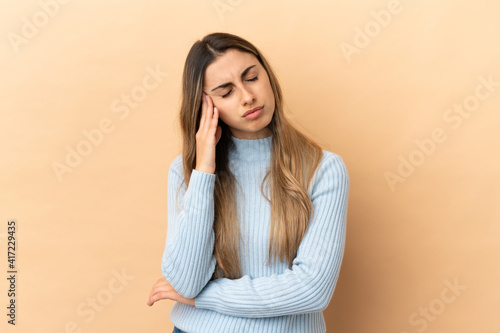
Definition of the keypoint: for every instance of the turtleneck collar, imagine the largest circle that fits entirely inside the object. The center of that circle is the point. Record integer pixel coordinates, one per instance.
(251, 150)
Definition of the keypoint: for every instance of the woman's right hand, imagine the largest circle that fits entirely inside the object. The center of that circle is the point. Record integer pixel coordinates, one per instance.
(208, 136)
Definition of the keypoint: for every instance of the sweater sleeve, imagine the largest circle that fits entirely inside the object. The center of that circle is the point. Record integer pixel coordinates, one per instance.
(309, 284)
(188, 262)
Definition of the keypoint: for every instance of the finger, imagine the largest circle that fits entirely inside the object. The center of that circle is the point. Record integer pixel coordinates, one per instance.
(161, 279)
(160, 282)
(161, 286)
(210, 109)
(216, 114)
(218, 134)
(215, 120)
(207, 114)
(203, 110)
(156, 297)
(159, 293)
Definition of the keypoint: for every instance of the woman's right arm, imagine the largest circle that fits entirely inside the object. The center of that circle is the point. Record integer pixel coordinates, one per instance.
(188, 262)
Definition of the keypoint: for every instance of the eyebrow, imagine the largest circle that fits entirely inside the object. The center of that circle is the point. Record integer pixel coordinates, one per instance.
(228, 83)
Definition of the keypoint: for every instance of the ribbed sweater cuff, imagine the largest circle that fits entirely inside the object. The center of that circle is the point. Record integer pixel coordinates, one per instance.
(204, 184)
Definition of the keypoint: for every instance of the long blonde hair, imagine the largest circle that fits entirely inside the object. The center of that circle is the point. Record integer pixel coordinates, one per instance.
(294, 158)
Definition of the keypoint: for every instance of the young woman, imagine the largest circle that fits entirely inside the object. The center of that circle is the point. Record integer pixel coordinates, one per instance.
(256, 210)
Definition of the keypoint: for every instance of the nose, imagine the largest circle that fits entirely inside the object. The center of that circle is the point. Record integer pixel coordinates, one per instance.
(247, 96)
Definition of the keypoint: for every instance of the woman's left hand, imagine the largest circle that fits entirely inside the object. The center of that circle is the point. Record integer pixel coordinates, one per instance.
(163, 290)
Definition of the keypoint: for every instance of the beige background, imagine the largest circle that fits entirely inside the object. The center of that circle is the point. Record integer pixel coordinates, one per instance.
(367, 98)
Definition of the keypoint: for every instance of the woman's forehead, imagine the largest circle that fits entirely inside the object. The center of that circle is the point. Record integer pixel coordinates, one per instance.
(230, 65)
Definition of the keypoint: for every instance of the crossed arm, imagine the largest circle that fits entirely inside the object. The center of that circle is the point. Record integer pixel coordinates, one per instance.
(305, 287)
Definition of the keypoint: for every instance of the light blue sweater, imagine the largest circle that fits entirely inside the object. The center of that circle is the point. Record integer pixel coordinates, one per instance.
(267, 298)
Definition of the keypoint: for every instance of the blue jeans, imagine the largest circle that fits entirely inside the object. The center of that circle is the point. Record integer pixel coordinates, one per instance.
(176, 330)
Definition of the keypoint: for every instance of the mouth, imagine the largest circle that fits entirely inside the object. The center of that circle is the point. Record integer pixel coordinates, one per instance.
(253, 110)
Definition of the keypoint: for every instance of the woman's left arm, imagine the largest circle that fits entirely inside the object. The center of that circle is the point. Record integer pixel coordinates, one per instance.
(308, 286)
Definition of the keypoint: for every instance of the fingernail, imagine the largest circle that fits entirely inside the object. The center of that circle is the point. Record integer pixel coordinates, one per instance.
(206, 98)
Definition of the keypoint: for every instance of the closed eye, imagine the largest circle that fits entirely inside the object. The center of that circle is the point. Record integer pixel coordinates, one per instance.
(227, 94)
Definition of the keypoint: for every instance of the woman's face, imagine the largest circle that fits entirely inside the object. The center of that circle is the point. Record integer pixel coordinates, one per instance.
(238, 83)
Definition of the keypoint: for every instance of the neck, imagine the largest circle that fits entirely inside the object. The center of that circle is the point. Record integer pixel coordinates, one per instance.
(251, 150)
